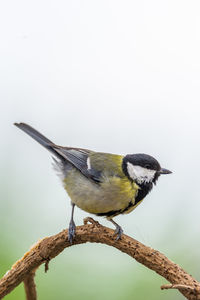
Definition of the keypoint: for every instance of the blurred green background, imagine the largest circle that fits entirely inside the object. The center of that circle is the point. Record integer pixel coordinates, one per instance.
(113, 76)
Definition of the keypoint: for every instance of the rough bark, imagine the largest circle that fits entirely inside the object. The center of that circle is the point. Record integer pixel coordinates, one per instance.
(50, 247)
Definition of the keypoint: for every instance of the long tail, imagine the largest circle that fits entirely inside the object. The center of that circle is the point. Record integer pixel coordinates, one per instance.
(41, 139)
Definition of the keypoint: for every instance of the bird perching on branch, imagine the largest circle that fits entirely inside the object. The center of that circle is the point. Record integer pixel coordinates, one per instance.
(103, 184)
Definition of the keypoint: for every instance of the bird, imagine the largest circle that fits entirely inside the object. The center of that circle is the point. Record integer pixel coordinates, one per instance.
(102, 184)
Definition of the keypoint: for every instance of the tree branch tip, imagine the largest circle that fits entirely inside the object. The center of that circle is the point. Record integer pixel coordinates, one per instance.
(177, 286)
(46, 265)
(92, 221)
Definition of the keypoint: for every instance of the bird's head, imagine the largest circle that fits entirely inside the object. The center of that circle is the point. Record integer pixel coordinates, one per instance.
(142, 168)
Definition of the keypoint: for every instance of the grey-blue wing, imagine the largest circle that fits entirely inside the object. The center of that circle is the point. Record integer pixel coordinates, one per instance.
(79, 158)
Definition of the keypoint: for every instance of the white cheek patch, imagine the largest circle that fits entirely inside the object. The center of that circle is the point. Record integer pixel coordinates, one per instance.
(140, 174)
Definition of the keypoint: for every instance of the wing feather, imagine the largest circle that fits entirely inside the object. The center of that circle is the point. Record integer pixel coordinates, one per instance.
(79, 159)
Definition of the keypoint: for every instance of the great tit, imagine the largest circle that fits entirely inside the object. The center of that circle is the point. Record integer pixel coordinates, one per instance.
(103, 184)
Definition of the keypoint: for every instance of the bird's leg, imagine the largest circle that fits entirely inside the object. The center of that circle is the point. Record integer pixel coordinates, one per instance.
(72, 226)
(118, 230)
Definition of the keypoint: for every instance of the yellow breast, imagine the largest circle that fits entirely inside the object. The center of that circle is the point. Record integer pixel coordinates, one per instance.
(114, 193)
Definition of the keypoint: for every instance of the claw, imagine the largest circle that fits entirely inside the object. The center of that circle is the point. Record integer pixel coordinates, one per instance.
(71, 231)
(118, 233)
(72, 226)
(118, 230)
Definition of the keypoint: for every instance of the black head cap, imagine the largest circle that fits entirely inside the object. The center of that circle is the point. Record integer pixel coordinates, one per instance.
(143, 160)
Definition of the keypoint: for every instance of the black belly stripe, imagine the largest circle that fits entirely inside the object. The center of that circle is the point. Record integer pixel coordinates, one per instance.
(142, 192)
(113, 213)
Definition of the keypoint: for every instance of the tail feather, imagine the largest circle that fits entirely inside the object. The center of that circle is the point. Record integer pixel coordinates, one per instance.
(40, 138)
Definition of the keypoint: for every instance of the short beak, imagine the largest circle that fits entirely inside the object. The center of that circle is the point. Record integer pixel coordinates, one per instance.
(164, 171)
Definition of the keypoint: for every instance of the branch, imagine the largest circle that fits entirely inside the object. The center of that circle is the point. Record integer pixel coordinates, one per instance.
(50, 247)
(177, 286)
(30, 287)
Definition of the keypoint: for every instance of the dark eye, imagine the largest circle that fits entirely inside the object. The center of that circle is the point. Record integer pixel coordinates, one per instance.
(147, 166)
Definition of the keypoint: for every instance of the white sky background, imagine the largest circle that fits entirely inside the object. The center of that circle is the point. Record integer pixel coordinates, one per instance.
(113, 76)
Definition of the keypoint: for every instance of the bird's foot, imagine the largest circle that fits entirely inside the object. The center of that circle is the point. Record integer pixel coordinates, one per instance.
(118, 232)
(71, 231)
